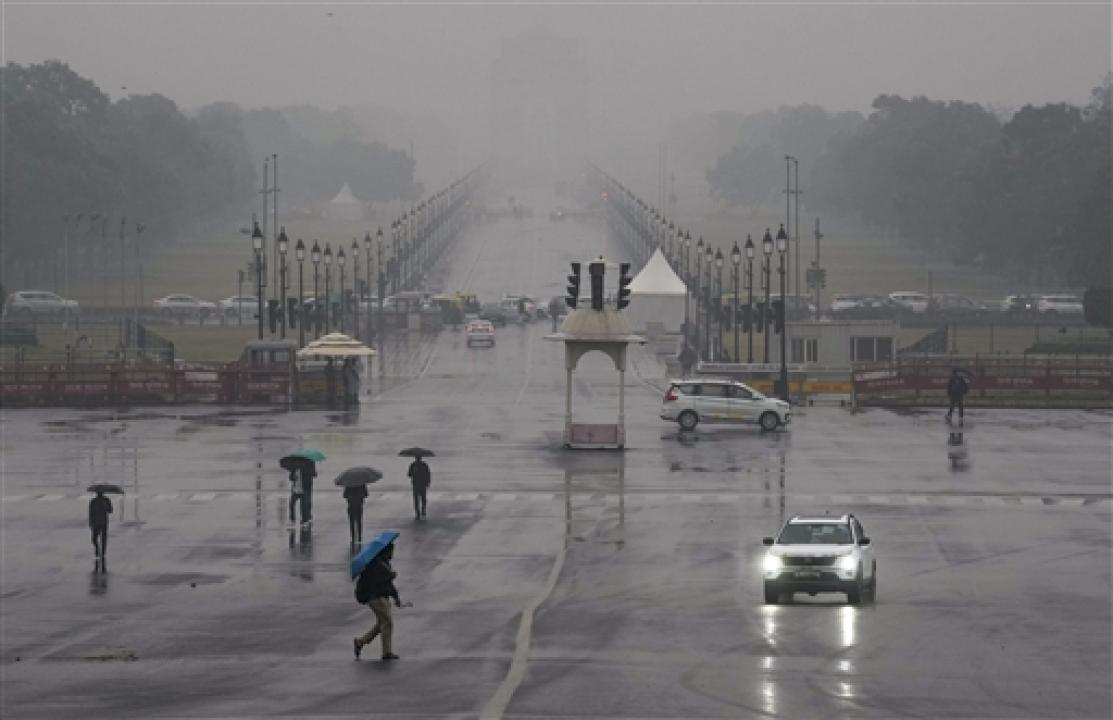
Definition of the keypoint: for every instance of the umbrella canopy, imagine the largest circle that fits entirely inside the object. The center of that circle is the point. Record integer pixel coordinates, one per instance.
(371, 549)
(417, 452)
(300, 456)
(105, 488)
(335, 345)
(358, 476)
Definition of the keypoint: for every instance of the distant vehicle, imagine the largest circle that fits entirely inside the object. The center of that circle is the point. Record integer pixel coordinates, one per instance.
(1059, 305)
(847, 303)
(820, 554)
(184, 306)
(917, 302)
(480, 331)
(510, 303)
(956, 304)
(495, 314)
(246, 306)
(799, 308)
(1019, 304)
(690, 402)
(32, 303)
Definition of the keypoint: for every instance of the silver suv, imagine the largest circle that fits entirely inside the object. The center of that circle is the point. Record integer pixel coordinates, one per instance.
(820, 554)
(690, 402)
(28, 303)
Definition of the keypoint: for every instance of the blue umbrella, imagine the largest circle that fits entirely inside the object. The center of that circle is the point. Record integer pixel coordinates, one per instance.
(298, 456)
(371, 549)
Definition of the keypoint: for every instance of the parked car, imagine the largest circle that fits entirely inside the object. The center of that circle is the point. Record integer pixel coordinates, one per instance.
(820, 554)
(1059, 305)
(847, 303)
(956, 304)
(245, 306)
(1019, 304)
(184, 306)
(916, 302)
(38, 303)
(480, 331)
(690, 402)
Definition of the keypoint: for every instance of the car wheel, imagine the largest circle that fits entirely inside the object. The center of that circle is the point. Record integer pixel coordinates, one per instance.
(772, 594)
(769, 421)
(688, 420)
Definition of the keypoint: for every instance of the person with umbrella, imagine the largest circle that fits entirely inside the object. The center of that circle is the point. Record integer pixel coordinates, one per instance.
(420, 478)
(302, 468)
(355, 481)
(957, 387)
(100, 507)
(375, 588)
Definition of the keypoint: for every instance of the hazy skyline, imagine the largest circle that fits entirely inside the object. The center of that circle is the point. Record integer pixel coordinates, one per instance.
(648, 64)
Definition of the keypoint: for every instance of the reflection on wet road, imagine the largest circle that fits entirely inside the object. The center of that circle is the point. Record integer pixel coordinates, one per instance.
(638, 573)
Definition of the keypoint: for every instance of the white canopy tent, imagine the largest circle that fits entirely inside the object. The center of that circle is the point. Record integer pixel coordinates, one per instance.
(657, 297)
(345, 207)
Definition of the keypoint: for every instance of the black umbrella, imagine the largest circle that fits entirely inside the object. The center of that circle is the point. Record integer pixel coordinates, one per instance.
(358, 476)
(417, 452)
(105, 488)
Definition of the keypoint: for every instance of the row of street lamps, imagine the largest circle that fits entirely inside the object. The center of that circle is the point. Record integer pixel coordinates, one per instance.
(644, 229)
(416, 239)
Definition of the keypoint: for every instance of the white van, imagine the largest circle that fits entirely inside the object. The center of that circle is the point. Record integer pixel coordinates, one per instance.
(917, 302)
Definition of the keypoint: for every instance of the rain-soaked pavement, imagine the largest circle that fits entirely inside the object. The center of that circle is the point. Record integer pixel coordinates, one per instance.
(547, 583)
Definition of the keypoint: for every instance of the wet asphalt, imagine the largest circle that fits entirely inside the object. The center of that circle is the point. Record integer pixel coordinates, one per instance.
(548, 583)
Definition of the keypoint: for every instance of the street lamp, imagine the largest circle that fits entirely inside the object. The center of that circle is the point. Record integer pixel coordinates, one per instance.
(257, 246)
(283, 247)
(381, 277)
(328, 295)
(766, 269)
(698, 297)
(735, 261)
(710, 258)
(315, 255)
(719, 301)
(782, 250)
(340, 262)
(369, 333)
(355, 288)
(687, 243)
(750, 299)
(299, 253)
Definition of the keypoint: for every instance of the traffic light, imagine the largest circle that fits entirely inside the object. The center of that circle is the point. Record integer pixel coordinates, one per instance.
(573, 287)
(292, 311)
(272, 315)
(624, 281)
(779, 316)
(596, 270)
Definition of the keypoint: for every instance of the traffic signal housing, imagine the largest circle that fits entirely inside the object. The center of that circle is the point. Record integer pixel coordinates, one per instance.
(596, 269)
(624, 280)
(779, 316)
(573, 295)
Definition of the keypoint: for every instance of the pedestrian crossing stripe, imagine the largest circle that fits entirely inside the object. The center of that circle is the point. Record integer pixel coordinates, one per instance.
(642, 498)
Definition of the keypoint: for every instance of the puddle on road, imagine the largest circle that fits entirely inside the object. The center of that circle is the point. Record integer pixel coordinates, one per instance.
(184, 578)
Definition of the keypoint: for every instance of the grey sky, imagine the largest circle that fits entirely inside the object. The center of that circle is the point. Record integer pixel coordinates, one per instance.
(648, 64)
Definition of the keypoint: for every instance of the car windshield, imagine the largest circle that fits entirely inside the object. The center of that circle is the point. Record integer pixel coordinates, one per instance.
(815, 534)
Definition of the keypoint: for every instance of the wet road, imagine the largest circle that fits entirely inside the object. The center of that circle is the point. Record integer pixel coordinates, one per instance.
(546, 583)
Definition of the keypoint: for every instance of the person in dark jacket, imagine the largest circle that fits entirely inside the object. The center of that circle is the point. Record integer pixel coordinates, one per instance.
(355, 495)
(957, 387)
(100, 508)
(378, 578)
(420, 479)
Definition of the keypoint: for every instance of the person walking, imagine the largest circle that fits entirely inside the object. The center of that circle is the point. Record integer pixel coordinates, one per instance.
(308, 472)
(351, 382)
(297, 491)
(100, 507)
(354, 495)
(420, 479)
(957, 387)
(376, 587)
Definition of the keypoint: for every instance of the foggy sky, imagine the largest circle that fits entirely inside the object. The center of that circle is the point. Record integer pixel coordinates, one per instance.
(647, 64)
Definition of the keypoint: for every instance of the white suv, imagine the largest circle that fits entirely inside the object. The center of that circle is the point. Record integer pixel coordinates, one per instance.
(1059, 304)
(26, 303)
(820, 554)
(690, 402)
(917, 302)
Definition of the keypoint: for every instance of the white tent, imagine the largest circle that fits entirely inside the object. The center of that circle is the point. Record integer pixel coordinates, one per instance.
(657, 297)
(345, 207)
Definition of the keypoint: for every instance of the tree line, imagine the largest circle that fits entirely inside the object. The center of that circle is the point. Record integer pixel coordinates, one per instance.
(77, 163)
(1027, 196)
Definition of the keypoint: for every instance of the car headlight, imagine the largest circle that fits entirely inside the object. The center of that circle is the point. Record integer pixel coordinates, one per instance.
(772, 563)
(848, 562)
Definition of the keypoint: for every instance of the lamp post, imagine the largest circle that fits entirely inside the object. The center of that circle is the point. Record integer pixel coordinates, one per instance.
(698, 297)
(299, 253)
(395, 233)
(718, 350)
(257, 246)
(782, 250)
(369, 332)
(340, 262)
(355, 289)
(767, 252)
(735, 261)
(750, 299)
(687, 242)
(315, 256)
(283, 246)
(710, 258)
(381, 277)
(328, 295)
